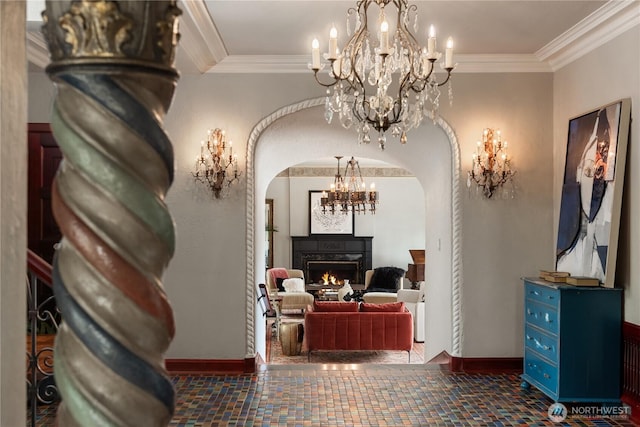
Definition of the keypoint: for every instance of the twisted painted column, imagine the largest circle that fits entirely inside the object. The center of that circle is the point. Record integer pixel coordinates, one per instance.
(112, 67)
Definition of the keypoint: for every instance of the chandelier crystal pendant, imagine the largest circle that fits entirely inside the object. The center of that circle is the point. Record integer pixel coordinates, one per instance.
(350, 194)
(491, 165)
(382, 81)
(216, 165)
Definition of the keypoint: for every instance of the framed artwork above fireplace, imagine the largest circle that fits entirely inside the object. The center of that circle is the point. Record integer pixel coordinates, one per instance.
(325, 222)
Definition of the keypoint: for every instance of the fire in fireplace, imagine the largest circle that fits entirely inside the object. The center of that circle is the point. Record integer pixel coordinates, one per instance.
(343, 256)
(330, 279)
(336, 271)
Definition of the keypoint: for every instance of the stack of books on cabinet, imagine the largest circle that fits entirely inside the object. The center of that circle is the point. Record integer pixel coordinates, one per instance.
(565, 277)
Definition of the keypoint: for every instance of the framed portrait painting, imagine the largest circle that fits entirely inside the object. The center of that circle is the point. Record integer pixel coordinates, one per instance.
(592, 192)
(325, 222)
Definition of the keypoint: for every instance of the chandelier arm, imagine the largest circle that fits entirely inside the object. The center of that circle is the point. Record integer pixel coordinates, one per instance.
(355, 111)
(352, 10)
(397, 112)
(407, 39)
(419, 84)
(403, 89)
(354, 44)
(448, 77)
(315, 75)
(413, 48)
(361, 3)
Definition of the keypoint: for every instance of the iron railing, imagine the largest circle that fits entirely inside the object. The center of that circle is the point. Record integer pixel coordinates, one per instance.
(43, 319)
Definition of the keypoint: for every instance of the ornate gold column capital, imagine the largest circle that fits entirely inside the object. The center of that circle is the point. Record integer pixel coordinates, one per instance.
(94, 31)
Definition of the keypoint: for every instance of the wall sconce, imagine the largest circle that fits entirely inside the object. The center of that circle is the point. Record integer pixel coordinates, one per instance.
(216, 165)
(491, 167)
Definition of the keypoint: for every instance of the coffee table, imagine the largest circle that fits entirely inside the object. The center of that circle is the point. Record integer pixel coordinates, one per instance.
(328, 292)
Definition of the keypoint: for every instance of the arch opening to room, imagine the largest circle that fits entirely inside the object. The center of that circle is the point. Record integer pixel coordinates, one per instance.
(297, 134)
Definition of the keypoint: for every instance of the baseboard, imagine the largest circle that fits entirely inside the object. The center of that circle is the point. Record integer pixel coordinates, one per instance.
(212, 366)
(486, 365)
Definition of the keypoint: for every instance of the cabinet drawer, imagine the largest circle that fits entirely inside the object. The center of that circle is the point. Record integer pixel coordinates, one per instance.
(542, 374)
(542, 294)
(542, 316)
(543, 344)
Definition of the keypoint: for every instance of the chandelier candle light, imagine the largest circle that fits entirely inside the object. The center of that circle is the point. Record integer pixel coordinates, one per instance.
(362, 73)
(351, 194)
(491, 166)
(216, 165)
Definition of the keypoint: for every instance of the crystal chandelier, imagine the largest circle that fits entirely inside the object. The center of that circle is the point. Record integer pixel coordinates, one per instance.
(350, 194)
(365, 94)
(491, 167)
(216, 165)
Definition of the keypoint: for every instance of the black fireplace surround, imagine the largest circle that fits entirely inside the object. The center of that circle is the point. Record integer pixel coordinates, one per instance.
(345, 256)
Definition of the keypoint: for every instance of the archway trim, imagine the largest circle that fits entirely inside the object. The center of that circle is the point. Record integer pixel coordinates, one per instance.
(456, 231)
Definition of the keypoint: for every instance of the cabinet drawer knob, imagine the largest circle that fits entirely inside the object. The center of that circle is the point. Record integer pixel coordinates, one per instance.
(547, 376)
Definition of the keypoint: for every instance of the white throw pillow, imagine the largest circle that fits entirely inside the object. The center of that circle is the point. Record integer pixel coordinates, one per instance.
(295, 284)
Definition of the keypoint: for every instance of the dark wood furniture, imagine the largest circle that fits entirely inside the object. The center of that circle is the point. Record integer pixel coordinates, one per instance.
(415, 270)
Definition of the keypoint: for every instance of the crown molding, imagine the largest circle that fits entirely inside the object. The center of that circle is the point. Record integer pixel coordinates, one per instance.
(500, 63)
(262, 64)
(603, 25)
(37, 51)
(199, 36)
(299, 64)
(202, 43)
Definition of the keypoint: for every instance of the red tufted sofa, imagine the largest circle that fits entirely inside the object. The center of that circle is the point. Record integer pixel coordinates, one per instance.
(354, 326)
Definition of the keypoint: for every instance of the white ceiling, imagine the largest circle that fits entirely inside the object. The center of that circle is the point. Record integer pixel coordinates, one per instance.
(275, 36)
(479, 27)
(243, 36)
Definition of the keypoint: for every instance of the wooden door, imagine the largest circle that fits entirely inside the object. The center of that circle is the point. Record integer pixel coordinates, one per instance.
(44, 158)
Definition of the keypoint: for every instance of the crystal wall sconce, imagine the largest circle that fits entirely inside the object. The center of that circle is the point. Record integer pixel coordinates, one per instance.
(491, 164)
(217, 166)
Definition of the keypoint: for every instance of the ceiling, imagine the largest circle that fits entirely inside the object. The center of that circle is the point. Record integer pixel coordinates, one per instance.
(478, 27)
(275, 36)
(268, 36)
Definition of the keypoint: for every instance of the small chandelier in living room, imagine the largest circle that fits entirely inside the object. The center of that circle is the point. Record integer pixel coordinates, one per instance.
(216, 165)
(365, 93)
(350, 194)
(491, 167)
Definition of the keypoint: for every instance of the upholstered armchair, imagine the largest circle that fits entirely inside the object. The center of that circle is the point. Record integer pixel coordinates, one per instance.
(374, 294)
(414, 301)
(295, 299)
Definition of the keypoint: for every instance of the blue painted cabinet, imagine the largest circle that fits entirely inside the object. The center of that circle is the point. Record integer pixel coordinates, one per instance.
(572, 341)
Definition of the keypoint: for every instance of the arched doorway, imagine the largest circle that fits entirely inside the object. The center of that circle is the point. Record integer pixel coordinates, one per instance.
(297, 133)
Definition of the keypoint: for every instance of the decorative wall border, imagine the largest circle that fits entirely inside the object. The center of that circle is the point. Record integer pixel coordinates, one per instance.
(456, 225)
(331, 171)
